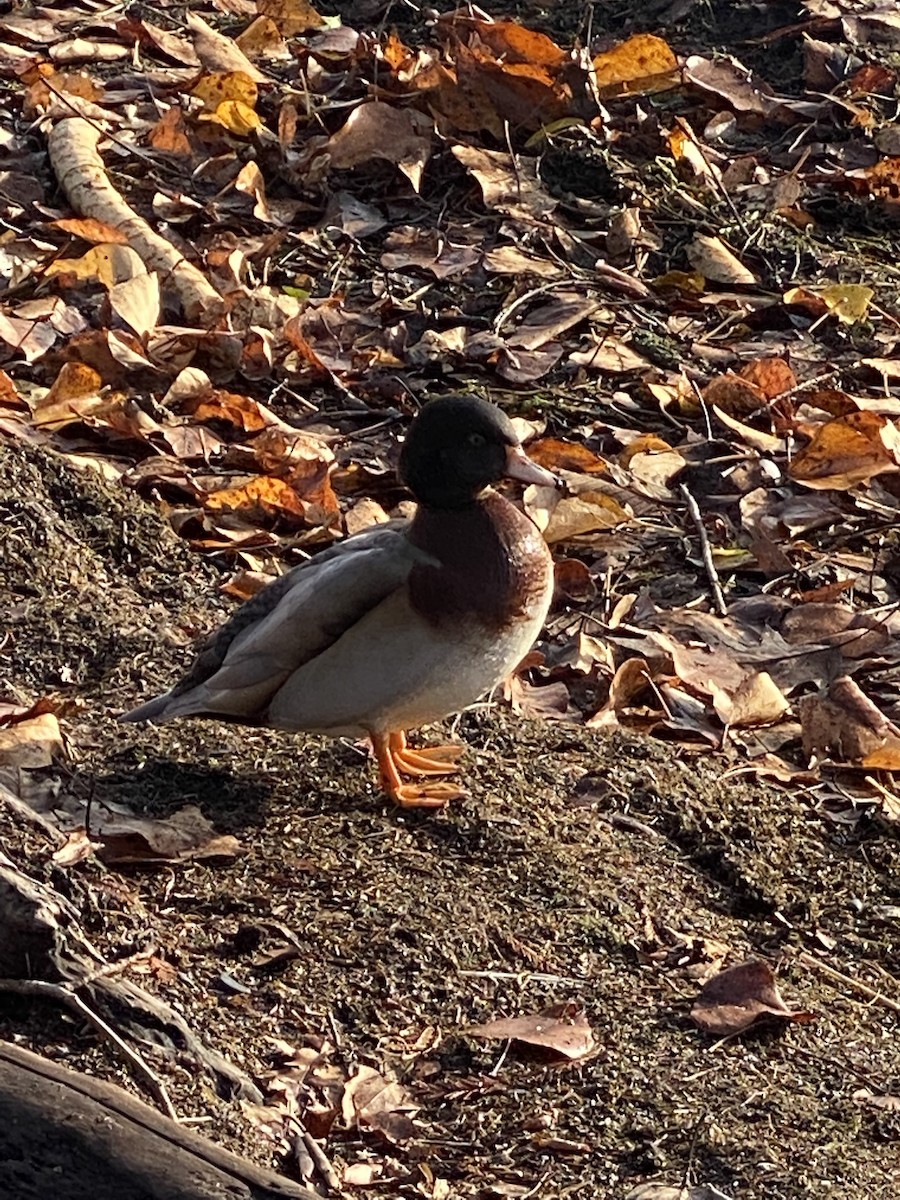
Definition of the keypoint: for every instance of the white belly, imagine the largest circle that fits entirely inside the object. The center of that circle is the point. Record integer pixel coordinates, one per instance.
(394, 671)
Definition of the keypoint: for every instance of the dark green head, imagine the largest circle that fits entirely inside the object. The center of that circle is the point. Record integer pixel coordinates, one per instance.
(459, 445)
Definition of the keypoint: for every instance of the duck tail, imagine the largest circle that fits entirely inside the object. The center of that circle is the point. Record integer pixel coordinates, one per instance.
(153, 710)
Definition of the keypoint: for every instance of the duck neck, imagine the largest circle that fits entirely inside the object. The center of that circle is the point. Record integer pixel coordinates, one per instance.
(490, 562)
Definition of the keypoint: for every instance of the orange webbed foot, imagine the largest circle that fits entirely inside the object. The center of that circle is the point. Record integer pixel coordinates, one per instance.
(393, 757)
(431, 760)
(425, 795)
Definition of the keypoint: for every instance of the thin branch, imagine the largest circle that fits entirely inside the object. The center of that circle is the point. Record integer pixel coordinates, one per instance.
(706, 551)
(65, 995)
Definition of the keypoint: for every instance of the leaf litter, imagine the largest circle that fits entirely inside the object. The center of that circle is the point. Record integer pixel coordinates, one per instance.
(287, 229)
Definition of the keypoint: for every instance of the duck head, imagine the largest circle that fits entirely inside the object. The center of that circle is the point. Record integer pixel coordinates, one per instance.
(459, 445)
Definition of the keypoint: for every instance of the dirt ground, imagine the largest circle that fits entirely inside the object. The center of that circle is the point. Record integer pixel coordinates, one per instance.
(583, 868)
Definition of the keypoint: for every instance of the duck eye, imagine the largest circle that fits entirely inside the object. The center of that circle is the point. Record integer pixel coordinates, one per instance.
(476, 439)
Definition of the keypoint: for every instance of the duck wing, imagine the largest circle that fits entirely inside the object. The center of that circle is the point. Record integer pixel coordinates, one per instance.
(245, 662)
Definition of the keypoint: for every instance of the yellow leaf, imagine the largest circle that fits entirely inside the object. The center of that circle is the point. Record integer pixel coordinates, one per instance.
(291, 16)
(219, 86)
(848, 301)
(642, 64)
(109, 264)
(236, 117)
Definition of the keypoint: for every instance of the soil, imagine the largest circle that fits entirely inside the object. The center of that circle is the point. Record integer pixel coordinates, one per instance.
(585, 868)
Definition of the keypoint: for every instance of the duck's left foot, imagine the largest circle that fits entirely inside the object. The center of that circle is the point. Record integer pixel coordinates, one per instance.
(393, 757)
(425, 795)
(431, 760)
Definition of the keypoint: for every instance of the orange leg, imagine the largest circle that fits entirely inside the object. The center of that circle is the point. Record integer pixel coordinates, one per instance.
(392, 757)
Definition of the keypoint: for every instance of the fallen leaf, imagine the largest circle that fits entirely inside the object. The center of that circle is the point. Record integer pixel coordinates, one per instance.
(641, 65)
(260, 501)
(372, 1101)
(379, 130)
(31, 743)
(712, 258)
(757, 700)
(563, 1029)
(847, 451)
(742, 996)
(572, 516)
(558, 455)
(183, 836)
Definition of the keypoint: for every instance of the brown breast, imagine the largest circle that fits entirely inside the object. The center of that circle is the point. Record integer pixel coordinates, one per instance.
(494, 564)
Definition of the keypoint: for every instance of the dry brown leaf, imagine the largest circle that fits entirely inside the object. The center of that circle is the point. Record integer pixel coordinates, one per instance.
(772, 376)
(560, 519)
(109, 264)
(510, 186)
(736, 395)
(609, 353)
(847, 451)
(169, 134)
(563, 1029)
(573, 578)
(379, 130)
(362, 1175)
(510, 260)
(756, 439)
(491, 92)
(262, 39)
(730, 81)
(512, 43)
(372, 1101)
(632, 680)
(219, 53)
(31, 743)
(540, 702)
(137, 302)
(76, 848)
(846, 726)
(363, 515)
(741, 996)
(219, 405)
(90, 230)
(243, 584)
(544, 324)
(712, 258)
(757, 700)
(430, 250)
(181, 837)
(290, 16)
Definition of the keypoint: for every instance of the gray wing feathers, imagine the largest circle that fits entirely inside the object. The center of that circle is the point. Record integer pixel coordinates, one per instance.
(288, 623)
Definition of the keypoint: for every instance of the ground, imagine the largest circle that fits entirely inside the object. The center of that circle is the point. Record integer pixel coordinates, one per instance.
(585, 868)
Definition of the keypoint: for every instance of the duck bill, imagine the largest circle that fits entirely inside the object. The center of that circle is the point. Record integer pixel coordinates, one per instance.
(519, 466)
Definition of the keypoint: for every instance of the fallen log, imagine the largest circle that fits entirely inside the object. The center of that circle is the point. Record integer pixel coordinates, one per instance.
(69, 1136)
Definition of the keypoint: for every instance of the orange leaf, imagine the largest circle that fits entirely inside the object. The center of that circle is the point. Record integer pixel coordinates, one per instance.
(848, 450)
(89, 229)
(771, 375)
(642, 64)
(259, 501)
(168, 134)
(557, 455)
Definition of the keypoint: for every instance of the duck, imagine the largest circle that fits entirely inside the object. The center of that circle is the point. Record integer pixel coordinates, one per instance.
(400, 625)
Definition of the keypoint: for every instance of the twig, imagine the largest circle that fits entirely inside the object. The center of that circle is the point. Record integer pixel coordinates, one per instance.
(856, 985)
(64, 994)
(320, 1159)
(714, 176)
(706, 551)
